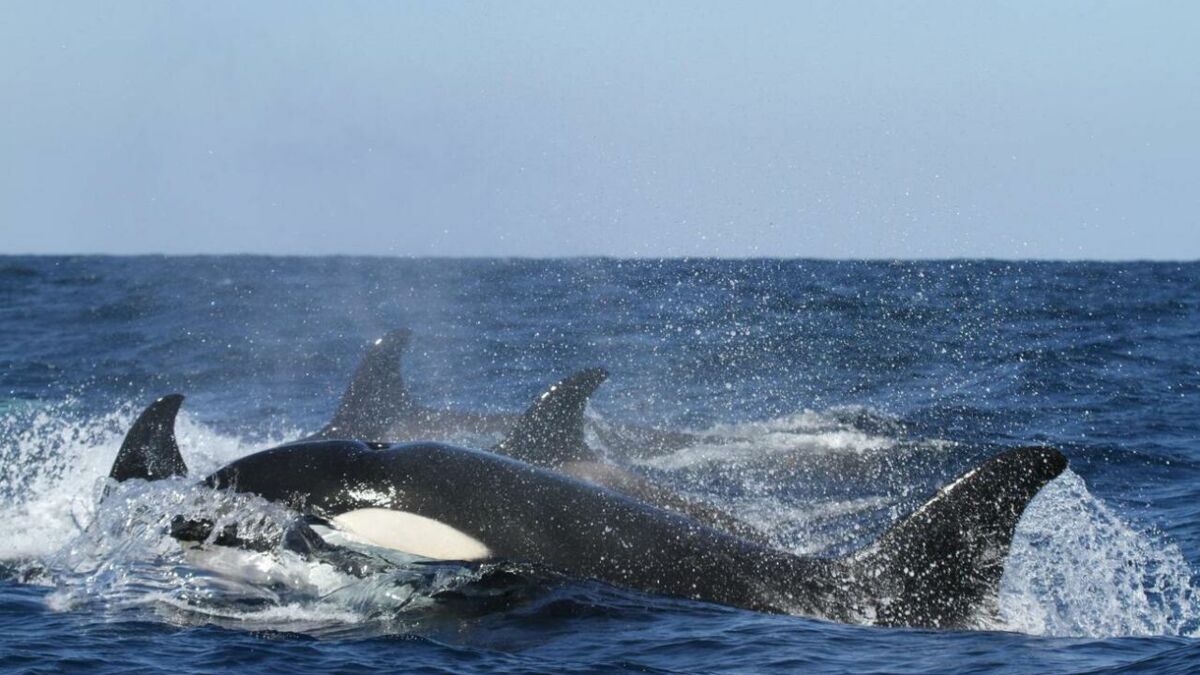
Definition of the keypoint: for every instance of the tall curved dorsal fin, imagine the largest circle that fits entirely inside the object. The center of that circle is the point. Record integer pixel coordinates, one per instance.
(376, 398)
(551, 430)
(942, 565)
(149, 450)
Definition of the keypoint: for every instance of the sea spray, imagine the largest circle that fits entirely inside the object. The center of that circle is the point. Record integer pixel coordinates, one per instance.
(1077, 569)
(53, 462)
(49, 462)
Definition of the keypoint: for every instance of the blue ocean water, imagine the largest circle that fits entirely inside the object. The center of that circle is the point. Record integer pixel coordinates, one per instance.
(851, 390)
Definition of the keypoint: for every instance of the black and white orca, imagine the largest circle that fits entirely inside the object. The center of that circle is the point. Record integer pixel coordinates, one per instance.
(940, 567)
(377, 408)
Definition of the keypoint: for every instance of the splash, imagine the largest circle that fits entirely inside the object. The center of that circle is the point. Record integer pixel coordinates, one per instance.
(53, 462)
(810, 528)
(111, 553)
(1076, 569)
(48, 467)
(124, 563)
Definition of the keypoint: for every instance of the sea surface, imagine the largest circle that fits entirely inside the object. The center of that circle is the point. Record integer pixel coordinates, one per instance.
(852, 392)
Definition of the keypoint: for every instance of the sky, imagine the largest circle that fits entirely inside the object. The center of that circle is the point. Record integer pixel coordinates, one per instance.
(793, 129)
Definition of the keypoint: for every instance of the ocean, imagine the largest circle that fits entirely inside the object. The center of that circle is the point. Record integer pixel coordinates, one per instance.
(851, 391)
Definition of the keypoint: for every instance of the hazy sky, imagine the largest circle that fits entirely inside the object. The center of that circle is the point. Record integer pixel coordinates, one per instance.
(865, 129)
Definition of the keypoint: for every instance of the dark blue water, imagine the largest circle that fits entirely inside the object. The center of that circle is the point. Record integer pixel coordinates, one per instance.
(853, 390)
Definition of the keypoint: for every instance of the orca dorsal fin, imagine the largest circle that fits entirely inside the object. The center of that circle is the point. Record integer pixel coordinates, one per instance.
(376, 397)
(551, 430)
(149, 450)
(941, 566)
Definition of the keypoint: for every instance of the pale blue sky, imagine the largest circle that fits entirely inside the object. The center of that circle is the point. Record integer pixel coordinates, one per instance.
(867, 129)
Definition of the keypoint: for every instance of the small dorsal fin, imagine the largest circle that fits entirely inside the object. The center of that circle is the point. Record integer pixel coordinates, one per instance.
(551, 430)
(376, 398)
(150, 451)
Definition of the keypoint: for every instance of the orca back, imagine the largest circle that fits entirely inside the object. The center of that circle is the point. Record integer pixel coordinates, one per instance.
(376, 398)
(550, 433)
(941, 566)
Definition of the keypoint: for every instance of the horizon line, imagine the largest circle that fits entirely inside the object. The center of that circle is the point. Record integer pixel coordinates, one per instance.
(631, 258)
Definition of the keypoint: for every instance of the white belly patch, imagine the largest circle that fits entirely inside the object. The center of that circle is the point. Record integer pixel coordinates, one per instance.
(410, 533)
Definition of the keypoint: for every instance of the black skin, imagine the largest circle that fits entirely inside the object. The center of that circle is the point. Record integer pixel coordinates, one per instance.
(939, 568)
(377, 407)
(525, 513)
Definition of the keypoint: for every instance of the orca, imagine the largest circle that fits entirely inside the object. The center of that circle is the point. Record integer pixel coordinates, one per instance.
(551, 435)
(377, 406)
(939, 568)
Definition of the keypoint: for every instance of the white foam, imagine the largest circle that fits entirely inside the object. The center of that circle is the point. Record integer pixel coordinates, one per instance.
(1076, 569)
(48, 467)
(53, 464)
(807, 432)
(115, 555)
